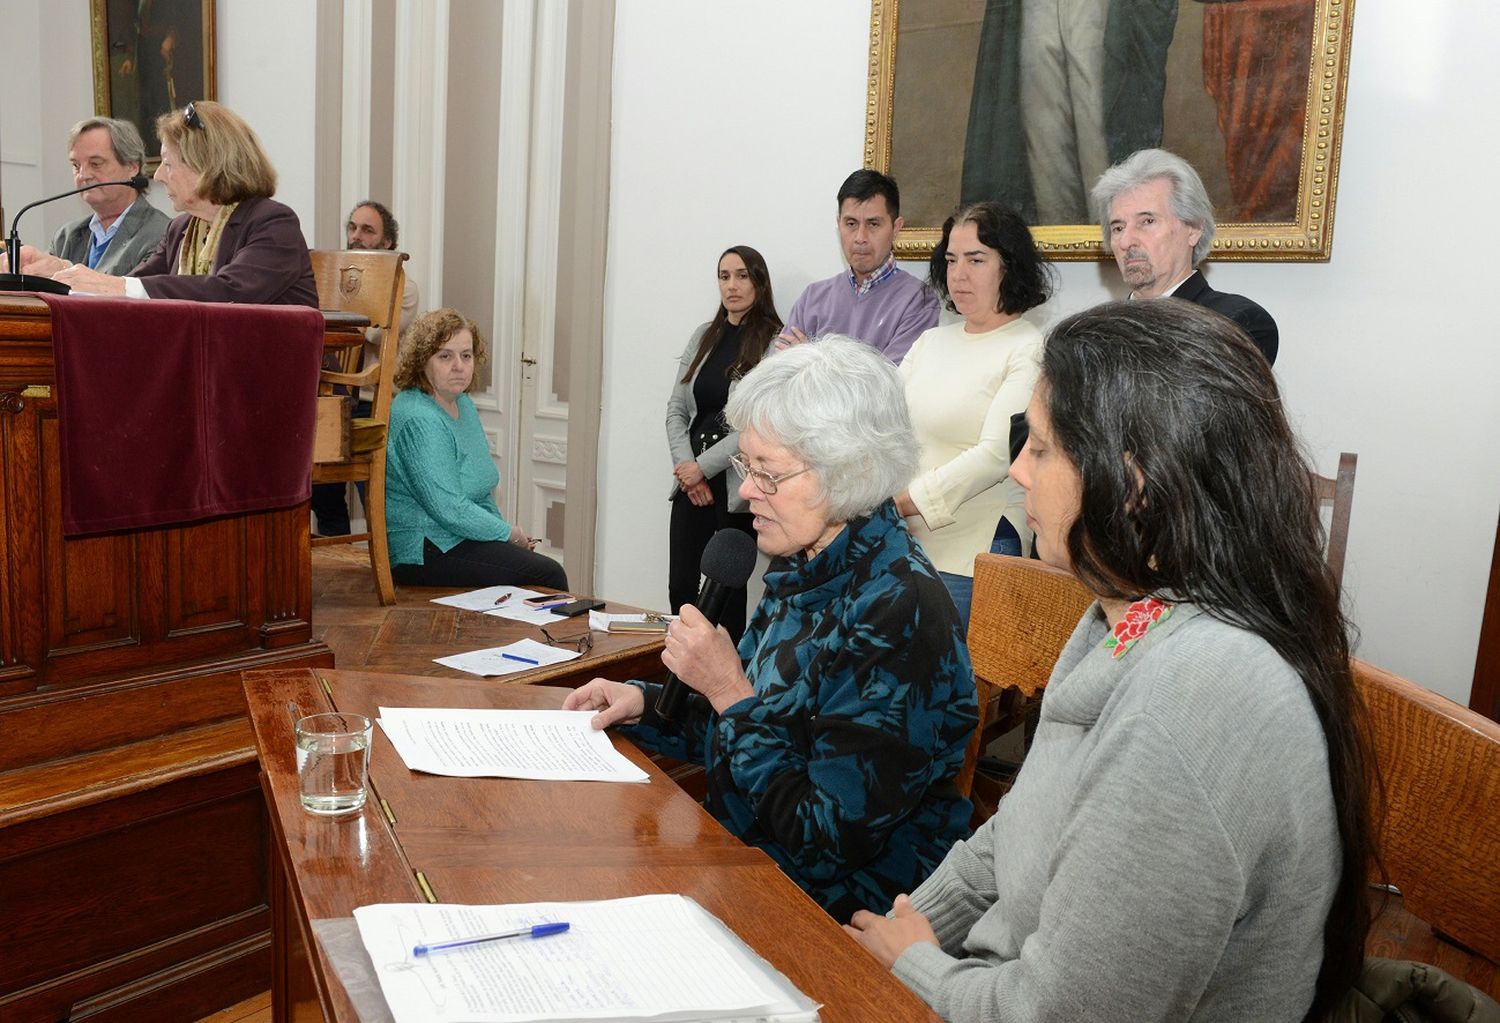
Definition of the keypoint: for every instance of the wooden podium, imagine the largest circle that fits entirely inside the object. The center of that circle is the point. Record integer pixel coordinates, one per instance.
(132, 833)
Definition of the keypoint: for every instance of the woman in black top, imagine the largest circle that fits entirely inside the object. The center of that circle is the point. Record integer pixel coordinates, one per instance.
(718, 354)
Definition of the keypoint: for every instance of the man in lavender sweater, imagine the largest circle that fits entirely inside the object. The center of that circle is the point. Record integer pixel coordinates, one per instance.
(874, 300)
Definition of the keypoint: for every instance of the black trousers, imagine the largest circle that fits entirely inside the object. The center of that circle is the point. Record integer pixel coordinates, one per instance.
(691, 527)
(477, 563)
(330, 504)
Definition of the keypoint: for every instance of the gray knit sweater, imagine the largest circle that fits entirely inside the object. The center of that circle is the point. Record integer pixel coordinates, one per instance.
(1169, 851)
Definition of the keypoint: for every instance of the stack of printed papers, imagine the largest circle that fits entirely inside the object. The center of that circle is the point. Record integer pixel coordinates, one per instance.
(522, 655)
(542, 745)
(652, 957)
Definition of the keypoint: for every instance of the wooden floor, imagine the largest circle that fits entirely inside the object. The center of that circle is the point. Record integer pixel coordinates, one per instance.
(347, 614)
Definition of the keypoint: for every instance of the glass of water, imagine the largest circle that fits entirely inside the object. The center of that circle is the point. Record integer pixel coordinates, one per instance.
(333, 762)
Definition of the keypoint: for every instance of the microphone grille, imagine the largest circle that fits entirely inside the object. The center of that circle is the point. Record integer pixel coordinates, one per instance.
(729, 558)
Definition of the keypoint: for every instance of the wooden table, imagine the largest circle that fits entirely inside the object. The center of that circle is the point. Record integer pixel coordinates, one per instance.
(406, 637)
(497, 841)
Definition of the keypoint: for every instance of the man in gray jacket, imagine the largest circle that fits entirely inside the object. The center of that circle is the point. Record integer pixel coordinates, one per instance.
(124, 228)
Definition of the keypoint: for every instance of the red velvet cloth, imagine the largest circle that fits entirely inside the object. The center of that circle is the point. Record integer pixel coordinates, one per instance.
(170, 412)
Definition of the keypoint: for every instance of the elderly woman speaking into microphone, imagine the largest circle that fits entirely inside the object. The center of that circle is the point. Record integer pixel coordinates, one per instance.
(832, 737)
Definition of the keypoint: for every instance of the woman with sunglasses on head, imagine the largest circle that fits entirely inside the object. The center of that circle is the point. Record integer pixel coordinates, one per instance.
(964, 382)
(232, 242)
(832, 737)
(718, 354)
(1189, 835)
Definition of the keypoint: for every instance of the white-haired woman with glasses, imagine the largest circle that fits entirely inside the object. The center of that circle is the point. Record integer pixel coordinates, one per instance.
(832, 736)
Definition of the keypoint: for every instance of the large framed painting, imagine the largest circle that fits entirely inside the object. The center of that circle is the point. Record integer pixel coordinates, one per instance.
(151, 56)
(989, 99)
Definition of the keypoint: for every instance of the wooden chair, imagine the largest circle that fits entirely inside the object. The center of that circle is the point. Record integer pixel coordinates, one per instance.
(353, 450)
(1339, 492)
(1439, 839)
(1022, 615)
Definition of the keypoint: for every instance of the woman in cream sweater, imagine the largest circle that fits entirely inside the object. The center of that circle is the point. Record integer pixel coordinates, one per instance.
(964, 381)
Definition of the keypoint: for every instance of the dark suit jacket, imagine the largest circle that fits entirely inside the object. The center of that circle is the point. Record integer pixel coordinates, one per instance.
(141, 228)
(262, 259)
(1253, 320)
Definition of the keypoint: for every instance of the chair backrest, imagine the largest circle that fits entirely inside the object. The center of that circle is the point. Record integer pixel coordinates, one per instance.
(1338, 491)
(1439, 837)
(1022, 615)
(364, 281)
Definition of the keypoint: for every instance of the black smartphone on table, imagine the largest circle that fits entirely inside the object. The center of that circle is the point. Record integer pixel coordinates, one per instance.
(574, 608)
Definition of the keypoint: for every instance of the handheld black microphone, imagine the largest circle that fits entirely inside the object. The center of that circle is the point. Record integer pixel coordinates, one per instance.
(17, 281)
(727, 563)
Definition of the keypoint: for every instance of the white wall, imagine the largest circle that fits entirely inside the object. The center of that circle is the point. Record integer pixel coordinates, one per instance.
(737, 125)
(267, 75)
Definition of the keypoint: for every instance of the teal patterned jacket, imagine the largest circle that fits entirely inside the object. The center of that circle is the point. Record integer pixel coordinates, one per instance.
(841, 766)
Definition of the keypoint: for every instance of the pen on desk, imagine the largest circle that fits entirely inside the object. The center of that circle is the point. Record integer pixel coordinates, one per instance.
(518, 657)
(502, 598)
(551, 604)
(539, 931)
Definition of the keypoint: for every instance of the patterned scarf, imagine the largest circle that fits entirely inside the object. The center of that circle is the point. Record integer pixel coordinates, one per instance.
(200, 243)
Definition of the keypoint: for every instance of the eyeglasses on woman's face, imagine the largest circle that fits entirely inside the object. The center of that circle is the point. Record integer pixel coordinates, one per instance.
(764, 481)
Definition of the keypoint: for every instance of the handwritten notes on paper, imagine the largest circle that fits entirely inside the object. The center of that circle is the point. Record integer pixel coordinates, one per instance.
(542, 745)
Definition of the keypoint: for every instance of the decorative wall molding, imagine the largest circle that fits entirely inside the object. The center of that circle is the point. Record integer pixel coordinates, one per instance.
(421, 132)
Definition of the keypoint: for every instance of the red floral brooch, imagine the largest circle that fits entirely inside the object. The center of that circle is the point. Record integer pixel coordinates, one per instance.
(1140, 618)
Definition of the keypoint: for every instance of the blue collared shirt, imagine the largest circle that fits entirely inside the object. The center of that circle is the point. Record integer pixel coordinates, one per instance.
(888, 268)
(102, 238)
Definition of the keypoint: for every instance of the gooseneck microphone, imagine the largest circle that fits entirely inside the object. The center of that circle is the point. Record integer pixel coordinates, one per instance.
(17, 281)
(728, 560)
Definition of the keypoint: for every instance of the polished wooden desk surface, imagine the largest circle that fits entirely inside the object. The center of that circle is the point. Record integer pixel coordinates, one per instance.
(407, 637)
(497, 840)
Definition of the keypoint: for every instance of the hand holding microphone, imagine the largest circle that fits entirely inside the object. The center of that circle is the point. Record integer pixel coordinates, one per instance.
(694, 643)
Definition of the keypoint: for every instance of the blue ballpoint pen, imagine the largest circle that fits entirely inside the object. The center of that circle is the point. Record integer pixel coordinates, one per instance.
(539, 931)
(518, 657)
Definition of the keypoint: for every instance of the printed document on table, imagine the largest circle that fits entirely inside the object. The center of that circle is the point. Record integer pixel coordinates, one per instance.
(484, 600)
(657, 957)
(525, 654)
(513, 605)
(541, 745)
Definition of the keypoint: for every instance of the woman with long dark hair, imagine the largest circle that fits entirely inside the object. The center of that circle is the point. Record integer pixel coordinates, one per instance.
(718, 354)
(1189, 835)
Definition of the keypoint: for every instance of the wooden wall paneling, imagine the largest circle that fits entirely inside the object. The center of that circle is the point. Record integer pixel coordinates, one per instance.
(90, 584)
(21, 632)
(282, 560)
(198, 598)
(133, 839)
(98, 896)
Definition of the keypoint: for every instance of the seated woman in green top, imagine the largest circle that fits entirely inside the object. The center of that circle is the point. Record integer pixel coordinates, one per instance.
(442, 522)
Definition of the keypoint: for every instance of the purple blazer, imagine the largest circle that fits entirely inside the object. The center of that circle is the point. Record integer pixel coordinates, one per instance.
(262, 260)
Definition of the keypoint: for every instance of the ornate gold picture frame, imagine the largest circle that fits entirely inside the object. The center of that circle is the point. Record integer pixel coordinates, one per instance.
(1250, 93)
(151, 56)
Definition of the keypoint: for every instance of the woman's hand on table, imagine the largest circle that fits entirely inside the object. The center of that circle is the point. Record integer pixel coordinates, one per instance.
(616, 702)
(886, 937)
(688, 474)
(704, 658)
(81, 278)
